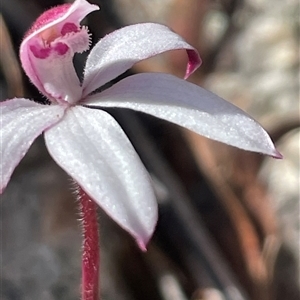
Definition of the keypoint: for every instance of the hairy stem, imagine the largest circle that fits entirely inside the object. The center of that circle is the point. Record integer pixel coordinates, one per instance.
(91, 253)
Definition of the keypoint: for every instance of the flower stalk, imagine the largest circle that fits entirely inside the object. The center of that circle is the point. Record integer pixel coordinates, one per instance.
(91, 252)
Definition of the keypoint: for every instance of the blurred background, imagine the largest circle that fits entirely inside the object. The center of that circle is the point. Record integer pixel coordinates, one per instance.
(229, 219)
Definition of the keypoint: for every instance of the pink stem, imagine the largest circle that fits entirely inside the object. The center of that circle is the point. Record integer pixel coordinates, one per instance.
(91, 253)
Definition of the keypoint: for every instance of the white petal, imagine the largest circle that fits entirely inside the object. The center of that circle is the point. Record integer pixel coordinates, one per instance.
(120, 50)
(167, 97)
(22, 121)
(91, 147)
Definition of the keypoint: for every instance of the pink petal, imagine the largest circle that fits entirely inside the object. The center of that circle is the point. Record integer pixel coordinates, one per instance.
(188, 105)
(47, 51)
(91, 147)
(22, 121)
(59, 81)
(120, 50)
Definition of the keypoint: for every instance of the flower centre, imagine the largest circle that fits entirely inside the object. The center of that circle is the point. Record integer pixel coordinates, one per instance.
(49, 35)
(58, 41)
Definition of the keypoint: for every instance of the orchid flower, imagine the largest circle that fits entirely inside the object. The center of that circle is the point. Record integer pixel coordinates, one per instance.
(86, 141)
